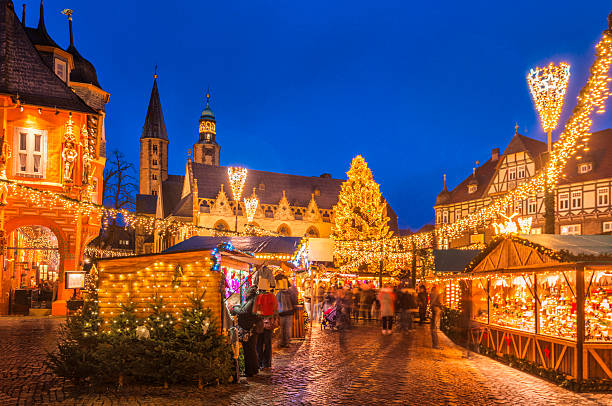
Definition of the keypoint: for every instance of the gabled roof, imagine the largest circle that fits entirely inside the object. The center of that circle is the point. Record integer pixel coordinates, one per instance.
(171, 192)
(484, 174)
(154, 125)
(23, 72)
(520, 143)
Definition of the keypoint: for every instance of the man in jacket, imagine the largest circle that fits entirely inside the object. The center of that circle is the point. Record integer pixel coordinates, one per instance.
(247, 324)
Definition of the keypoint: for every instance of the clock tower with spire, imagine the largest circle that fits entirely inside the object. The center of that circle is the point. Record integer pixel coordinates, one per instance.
(206, 150)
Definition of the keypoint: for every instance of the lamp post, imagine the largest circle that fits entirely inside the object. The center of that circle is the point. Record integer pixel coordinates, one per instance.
(237, 178)
(548, 86)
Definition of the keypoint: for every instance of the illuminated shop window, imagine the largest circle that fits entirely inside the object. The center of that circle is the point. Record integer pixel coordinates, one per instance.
(571, 229)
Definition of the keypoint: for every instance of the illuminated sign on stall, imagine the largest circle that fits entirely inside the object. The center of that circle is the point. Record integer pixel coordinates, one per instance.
(513, 224)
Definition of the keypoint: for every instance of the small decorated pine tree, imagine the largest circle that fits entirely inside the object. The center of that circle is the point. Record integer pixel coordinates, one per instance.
(210, 359)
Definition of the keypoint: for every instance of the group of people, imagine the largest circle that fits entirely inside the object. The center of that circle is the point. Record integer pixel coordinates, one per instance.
(269, 304)
(365, 302)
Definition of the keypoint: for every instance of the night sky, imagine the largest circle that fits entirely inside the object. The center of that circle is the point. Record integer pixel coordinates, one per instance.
(418, 88)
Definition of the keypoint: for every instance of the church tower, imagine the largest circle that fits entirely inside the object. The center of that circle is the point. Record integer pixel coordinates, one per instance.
(153, 146)
(206, 150)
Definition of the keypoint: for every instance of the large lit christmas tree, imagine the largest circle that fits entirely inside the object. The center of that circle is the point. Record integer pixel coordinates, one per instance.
(361, 211)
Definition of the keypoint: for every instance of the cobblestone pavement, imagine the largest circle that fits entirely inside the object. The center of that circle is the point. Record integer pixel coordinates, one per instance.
(359, 366)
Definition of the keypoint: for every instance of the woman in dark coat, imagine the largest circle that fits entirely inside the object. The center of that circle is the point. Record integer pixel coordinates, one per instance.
(247, 324)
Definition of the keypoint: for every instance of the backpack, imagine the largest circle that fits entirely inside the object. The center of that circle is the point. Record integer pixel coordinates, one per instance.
(265, 305)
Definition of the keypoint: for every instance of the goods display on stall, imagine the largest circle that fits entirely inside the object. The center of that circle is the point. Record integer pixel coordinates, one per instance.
(545, 299)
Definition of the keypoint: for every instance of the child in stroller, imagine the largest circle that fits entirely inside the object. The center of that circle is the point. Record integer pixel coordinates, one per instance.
(334, 318)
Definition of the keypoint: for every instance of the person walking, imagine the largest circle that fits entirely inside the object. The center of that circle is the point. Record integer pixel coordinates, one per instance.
(436, 306)
(422, 301)
(319, 300)
(308, 299)
(386, 298)
(247, 331)
(413, 307)
(286, 308)
(266, 307)
(403, 307)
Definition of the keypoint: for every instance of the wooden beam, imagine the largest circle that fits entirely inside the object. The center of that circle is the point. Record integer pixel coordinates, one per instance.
(537, 343)
(601, 363)
(514, 345)
(560, 357)
(526, 347)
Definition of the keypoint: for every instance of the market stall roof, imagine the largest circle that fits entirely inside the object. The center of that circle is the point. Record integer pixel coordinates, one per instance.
(574, 244)
(453, 260)
(524, 251)
(268, 245)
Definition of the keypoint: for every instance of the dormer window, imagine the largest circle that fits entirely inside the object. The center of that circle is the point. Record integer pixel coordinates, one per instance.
(60, 69)
(472, 188)
(585, 167)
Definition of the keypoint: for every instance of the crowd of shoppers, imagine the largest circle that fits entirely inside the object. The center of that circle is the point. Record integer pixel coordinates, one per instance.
(264, 310)
(388, 305)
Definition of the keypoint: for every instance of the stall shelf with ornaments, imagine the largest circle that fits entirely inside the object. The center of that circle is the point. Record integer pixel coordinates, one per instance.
(173, 278)
(545, 299)
(447, 263)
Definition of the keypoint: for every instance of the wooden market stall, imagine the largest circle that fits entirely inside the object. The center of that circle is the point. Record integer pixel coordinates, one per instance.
(171, 277)
(546, 299)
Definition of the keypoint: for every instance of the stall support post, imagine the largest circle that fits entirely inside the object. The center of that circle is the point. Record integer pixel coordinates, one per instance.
(380, 275)
(413, 265)
(580, 323)
(536, 306)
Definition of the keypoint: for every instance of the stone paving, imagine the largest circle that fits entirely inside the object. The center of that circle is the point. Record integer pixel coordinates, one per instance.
(359, 367)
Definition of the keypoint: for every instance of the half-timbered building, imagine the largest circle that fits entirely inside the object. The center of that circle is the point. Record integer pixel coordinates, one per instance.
(582, 196)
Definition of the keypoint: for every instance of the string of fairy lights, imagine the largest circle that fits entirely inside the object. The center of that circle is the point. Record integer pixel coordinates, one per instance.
(574, 137)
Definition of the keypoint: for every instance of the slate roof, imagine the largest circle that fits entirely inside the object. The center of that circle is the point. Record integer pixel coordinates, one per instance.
(299, 189)
(600, 155)
(23, 72)
(39, 35)
(484, 174)
(84, 71)
(146, 204)
(154, 125)
(171, 193)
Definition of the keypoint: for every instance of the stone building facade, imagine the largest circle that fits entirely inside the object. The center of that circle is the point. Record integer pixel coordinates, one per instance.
(289, 205)
(582, 197)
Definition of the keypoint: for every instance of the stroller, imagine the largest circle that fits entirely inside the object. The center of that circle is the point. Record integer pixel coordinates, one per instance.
(333, 318)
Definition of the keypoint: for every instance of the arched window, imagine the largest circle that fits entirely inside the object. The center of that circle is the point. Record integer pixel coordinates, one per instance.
(312, 232)
(283, 229)
(221, 226)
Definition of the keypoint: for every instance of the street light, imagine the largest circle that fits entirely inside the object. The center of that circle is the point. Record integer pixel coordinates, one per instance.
(548, 86)
(250, 204)
(237, 178)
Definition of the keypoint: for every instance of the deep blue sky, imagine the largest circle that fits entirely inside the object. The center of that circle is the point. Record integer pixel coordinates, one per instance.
(417, 88)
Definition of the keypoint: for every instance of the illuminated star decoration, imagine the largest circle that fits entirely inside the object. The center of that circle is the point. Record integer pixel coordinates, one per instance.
(548, 86)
